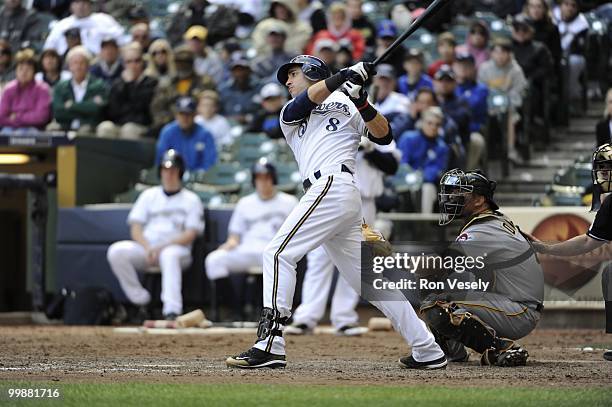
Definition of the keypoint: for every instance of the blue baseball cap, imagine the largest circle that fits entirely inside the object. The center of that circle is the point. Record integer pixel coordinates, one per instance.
(386, 28)
(185, 104)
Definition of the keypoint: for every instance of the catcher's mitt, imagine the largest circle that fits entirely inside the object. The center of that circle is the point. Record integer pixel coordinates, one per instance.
(380, 246)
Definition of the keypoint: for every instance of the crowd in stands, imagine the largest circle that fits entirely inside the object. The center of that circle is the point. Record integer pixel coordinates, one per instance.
(122, 69)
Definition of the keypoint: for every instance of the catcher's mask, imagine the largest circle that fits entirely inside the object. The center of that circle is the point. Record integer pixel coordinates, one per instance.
(456, 187)
(601, 173)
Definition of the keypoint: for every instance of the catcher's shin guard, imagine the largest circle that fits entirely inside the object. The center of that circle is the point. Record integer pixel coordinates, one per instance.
(452, 322)
(454, 350)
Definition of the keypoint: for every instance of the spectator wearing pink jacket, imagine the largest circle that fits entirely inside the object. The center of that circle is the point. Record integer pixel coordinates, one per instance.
(25, 103)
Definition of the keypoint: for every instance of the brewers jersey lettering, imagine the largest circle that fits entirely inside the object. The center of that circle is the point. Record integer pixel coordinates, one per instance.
(329, 136)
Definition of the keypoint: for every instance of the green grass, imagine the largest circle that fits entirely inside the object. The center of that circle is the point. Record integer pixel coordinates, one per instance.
(149, 395)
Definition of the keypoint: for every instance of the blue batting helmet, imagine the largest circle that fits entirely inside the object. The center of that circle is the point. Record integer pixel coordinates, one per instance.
(313, 68)
(264, 166)
(172, 158)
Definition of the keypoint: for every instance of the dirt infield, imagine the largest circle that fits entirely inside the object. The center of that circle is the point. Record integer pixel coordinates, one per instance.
(78, 354)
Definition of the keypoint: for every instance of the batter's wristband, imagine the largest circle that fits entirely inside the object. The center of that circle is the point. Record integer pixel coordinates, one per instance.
(335, 81)
(367, 112)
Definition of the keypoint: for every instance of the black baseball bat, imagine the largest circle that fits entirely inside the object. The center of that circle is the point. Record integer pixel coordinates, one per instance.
(416, 24)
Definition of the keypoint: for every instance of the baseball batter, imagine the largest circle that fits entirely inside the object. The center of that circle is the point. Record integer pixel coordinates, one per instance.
(490, 320)
(600, 232)
(323, 125)
(373, 162)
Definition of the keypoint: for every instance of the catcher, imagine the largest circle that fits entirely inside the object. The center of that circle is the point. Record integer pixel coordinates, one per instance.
(488, 321)
(599, 233)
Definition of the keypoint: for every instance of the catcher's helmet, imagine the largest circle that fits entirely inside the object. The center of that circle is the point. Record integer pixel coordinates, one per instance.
(170, 159)
(313, 68)
(263, 166)
(455, 185)
(601, 173)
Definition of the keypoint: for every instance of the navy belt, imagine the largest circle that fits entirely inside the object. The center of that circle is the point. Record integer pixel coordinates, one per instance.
(307, 184)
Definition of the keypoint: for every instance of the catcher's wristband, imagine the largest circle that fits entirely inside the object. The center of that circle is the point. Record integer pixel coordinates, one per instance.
(367, 111)
(335, 81)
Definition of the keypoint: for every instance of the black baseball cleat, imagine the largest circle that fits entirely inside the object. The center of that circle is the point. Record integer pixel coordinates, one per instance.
(608, 355)
(515, 356)
(255, 358)
(408, 362)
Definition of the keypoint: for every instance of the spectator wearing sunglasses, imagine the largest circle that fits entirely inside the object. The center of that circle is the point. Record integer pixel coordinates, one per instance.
(128, 112)
(161, 61)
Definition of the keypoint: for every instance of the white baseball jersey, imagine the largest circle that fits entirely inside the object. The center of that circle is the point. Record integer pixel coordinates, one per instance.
(329, 215)
(329, 136)
(369, 179)
(256, 221)
(165, 217)
(394, 103)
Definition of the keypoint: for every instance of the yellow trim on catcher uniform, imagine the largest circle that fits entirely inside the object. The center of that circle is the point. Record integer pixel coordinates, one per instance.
(286, 242)
(492, 308)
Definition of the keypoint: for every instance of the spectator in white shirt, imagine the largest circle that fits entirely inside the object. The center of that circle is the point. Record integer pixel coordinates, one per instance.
(388, 101)
(93, 28)
(211, 120)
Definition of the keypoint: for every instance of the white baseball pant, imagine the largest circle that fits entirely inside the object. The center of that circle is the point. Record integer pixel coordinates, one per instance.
(317, 284)
(220, 263)
(127, 257)
(315, 291)
(329, 214)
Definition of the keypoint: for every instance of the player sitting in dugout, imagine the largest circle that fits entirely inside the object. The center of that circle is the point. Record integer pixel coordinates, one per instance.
(164, 222)
(488, 320)
(254, 222)
(600, 232)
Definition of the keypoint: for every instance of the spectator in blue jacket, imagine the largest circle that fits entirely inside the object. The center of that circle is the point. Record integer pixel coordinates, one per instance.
(415, 77)
(425, 150)
(476, 93)
(194, 143)
(451, 104)
(458, 107)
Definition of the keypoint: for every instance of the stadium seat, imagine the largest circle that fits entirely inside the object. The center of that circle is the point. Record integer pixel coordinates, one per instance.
(288, 177)
(406, 179)
(149, 176)
(208, 197)
(248, 155)
(251, 139)
(130, 195)
(488, 17)
(460, 32)
(221, 178)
